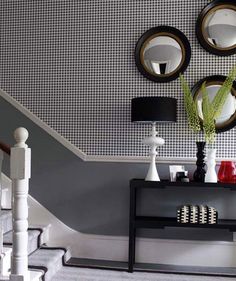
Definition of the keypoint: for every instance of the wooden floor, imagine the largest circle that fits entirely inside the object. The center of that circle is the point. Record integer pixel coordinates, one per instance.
(103, 264)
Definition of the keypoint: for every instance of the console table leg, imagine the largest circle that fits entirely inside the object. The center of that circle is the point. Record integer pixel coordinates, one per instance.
(132, 229)
(132, 236)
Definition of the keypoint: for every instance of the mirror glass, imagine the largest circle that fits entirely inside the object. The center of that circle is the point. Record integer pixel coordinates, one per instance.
(162, 55)
(216, 27)
(227, 118)
(219, 28)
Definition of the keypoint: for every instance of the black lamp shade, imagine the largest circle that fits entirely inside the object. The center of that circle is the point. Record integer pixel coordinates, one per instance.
(154, 109)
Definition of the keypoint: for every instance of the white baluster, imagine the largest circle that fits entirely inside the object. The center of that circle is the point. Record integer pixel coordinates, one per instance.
(1, 224)
(20, 163)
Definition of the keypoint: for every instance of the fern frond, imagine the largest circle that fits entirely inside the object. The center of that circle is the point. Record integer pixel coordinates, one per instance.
(222, 94)
(190, 106)
(208, 116)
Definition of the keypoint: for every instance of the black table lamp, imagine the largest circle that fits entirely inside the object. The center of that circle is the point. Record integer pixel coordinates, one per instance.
(153, 110)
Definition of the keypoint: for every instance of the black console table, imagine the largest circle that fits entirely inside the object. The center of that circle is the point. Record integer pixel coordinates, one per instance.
(136, 222)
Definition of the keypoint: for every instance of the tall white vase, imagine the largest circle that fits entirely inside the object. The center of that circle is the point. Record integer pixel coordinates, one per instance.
(211, 175)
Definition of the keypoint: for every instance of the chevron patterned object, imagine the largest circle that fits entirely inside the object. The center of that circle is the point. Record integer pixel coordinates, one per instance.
(197, 214)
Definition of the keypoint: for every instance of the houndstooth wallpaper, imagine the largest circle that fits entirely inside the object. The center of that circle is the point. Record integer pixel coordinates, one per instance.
(71, 63)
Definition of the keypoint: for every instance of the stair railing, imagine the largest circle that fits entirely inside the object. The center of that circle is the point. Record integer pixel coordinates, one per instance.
(20, 170)
(3, 148)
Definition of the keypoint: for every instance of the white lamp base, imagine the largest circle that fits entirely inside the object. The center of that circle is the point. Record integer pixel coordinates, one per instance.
(153, 141)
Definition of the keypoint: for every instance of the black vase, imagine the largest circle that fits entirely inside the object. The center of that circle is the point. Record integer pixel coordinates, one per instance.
(199, 174)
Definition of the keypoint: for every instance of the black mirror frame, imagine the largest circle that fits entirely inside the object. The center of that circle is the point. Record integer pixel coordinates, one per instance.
(216, 78)
(176, 33)
(203, 42)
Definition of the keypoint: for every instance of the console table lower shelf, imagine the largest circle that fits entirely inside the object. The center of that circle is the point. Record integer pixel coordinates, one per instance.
(138, 221)
(163, 222)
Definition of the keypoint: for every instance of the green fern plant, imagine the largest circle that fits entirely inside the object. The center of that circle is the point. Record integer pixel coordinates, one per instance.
(210, 110)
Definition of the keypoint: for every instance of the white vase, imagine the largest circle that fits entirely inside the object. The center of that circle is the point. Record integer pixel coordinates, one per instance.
(211, 175)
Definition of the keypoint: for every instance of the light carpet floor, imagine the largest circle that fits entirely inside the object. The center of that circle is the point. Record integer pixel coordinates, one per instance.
(83, 274)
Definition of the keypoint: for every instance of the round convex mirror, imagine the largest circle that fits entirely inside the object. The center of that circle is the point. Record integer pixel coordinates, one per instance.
(227, 119)
(216, 27)
(162, 53)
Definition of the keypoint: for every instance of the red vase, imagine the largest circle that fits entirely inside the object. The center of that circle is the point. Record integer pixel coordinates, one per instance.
(227, 172)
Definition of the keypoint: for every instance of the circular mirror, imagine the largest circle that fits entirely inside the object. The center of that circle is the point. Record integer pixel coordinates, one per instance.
(162, 53)
(227, 119)
(216, 27)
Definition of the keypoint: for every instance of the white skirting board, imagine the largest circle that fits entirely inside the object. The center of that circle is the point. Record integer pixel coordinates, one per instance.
(162, 251)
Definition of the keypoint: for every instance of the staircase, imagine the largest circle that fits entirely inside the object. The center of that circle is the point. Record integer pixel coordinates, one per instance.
(24, 252)
(37, 258)
(45, 263)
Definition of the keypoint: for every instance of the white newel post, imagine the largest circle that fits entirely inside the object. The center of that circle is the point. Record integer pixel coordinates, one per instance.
(20, 164)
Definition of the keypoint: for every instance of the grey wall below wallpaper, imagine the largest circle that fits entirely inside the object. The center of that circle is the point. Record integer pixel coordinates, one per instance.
(71, 63)
(94, 197)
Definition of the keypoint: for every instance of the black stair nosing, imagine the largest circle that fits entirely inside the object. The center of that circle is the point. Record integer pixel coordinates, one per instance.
(45, 247)
(44, 269)
(99, 267)
(7, 244)
(6, 209)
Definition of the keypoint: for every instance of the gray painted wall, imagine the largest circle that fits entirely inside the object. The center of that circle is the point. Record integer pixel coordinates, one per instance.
(94, 197)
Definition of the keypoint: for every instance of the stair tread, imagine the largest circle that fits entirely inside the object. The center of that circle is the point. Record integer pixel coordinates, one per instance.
(44, 257)
(32, 234)
(49, 258)
(33, 242)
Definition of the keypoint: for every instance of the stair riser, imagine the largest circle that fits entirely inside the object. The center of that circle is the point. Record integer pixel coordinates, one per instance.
(6, 219)
(5, 261)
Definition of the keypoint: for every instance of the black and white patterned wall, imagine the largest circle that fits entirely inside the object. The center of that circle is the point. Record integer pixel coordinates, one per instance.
(71, 63)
